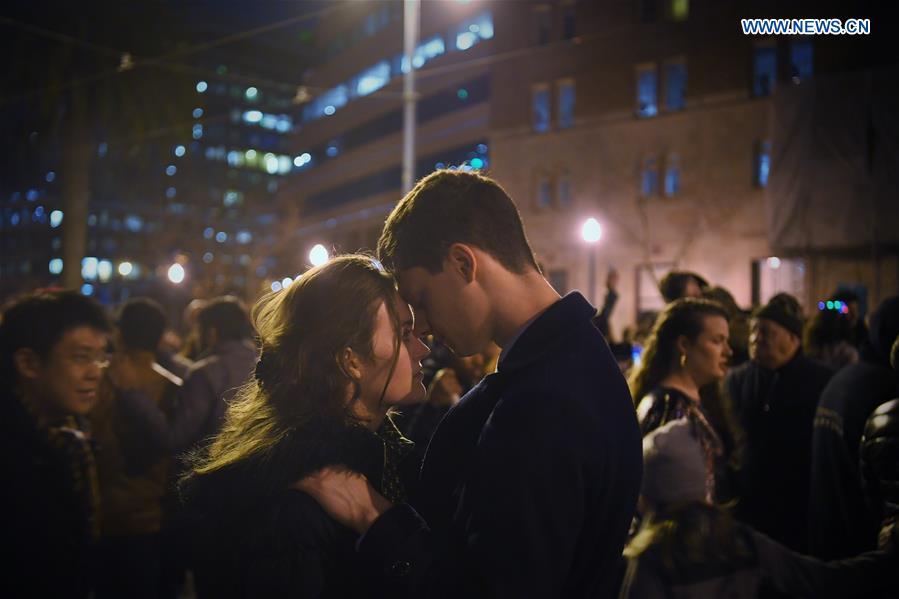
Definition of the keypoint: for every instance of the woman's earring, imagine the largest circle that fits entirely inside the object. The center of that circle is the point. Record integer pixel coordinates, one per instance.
(683, 360)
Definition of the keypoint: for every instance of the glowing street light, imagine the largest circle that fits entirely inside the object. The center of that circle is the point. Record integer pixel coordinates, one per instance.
(591, 232)
(318, 255)
(176, 273)
(125, 268)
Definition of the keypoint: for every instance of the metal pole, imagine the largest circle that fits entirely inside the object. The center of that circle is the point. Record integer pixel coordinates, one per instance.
(411, 10)
(591, 284)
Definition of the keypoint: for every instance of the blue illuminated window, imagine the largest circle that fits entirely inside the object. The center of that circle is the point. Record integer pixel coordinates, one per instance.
(544, 192)
(762, 166)
(801, 60)
(764, 71)
(675, 85)
(647, 92)
(566, 104)
(672, 176)
(470, 33)
(540, 109)
(373, 78)
(649, 178)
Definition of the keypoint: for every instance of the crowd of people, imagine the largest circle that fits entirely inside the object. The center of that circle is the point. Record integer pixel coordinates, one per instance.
(437, 421)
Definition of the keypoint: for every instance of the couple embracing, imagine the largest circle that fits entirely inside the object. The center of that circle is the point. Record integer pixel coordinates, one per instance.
(526, 489)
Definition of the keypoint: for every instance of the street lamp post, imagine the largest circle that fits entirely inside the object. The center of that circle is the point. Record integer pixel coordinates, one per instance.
(591, 232)
(410, 41)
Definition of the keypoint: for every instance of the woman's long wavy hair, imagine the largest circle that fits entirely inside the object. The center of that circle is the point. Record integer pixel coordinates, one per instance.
(303, 331)
(681, 317)
(687, 317)
(690, 534)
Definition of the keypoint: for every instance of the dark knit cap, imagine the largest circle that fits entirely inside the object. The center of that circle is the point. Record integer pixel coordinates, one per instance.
(784, 309)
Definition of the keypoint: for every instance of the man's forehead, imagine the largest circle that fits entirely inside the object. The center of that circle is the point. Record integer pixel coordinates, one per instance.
(83, 336)
(411, 280)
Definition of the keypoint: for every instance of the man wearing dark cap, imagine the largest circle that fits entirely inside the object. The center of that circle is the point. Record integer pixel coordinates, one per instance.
(775, 396)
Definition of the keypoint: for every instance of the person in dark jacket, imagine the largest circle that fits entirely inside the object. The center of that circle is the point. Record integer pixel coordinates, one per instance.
(337, 353)
(132, 476)
(775, 396)
(841, 522)
(530, 482)
(690, 549)
(52, 355)
(686, 354)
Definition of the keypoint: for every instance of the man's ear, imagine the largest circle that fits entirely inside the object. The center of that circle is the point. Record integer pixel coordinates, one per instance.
(463, 260)
(350, 363)
(27, 363)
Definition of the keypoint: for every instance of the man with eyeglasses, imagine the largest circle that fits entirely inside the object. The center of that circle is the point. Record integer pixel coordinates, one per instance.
(52, 356)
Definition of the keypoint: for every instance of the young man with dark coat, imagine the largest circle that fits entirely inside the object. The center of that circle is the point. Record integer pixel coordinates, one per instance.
(52, 353)
(530, 482)
(775, 396)
(841, 519)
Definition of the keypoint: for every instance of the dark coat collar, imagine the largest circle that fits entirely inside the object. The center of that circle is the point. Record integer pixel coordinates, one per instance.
(549, 330)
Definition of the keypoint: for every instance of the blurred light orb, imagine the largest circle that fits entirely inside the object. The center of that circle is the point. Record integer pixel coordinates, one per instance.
(202, 86)
(176, 273)
(125, 268)
(591, 231)
(56, 218)
(318, 255)
(774, 262)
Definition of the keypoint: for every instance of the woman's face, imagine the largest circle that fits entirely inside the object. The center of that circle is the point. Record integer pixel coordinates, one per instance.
(708, 356)
(406, 381)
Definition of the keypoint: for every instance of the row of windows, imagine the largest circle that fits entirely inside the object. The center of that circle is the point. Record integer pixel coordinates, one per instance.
(542, 22)
(373, 23)
(429, 108)
(466, 157)
(765, 65)
(462, 37)
(674, 75)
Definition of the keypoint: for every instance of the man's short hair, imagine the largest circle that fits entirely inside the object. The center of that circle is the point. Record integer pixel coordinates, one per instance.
(38, 322)
(228, 316)
(674, 284)
(141, 323)
(448, 207)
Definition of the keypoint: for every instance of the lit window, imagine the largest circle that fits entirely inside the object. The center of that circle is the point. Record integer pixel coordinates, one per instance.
(801, 59)
(232, 198)
(647, 91)
(56, 218)
(675, 85)
(764, 70)
(672, 175)
(333, 148)
(544, 192)
(566, 104)
(55, 266)
(540, 108)
(680, 10)
(374, 78)
(252, 116)
(89, 267)
(649, 178)
(470, 33)
(762, 164)
(426, 51)
(51, 176)
(133, 223)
